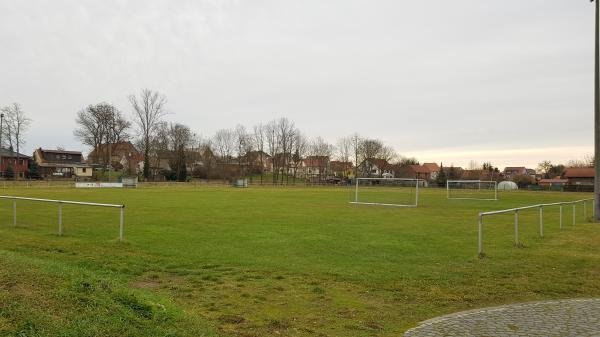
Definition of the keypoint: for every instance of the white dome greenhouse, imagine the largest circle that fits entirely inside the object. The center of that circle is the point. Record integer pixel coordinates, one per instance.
(508, 185)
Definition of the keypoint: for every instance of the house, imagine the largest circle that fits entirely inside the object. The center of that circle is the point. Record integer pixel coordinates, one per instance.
(18, 163)
(258, 161)
(557, 181)
(341, 169)
(511, 172)
(377, 168)
(413, 172)
(61, 164)
(434, 170)
(123, 155)
(314, 167)
(453, 172)
(579, 176)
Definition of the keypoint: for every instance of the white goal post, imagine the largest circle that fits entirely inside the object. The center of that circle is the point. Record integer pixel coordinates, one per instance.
(472, 189)
(396, 192)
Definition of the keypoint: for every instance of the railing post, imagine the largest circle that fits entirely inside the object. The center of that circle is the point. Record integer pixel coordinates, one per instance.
(480, 250)
(60, 226)
(15, 213)
(542, 221)
(516, 227)
(574, 213)
(121, 226)
(561, 216)
(585, 210)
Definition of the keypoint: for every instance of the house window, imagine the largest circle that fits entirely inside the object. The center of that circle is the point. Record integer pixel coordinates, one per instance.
(83, 170)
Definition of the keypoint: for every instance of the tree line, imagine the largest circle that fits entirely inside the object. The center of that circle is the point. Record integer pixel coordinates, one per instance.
(236, 151)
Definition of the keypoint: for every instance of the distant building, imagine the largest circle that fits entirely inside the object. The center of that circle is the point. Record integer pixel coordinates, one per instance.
(341, 169)
(558, 181)
(123, 156)
(19, 163)
(375, 168)
(579, 176)
(61, 164)
(434, 170)
(511, 172)
(315, 167)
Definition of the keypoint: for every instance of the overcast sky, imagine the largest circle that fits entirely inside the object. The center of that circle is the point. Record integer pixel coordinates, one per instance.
(508, 81)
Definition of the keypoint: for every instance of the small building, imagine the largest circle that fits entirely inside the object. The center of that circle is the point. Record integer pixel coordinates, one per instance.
(553, 182)
(61, 164)
(579, 176)
(18, 163)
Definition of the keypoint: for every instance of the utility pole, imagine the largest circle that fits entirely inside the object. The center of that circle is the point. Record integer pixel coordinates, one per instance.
(597, 116)
(1, 128)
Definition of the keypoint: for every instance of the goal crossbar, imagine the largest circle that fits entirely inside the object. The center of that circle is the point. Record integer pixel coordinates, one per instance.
(491, 182)
(357, 202)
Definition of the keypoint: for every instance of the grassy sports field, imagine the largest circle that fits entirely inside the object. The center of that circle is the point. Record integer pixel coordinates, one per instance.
(219, 261)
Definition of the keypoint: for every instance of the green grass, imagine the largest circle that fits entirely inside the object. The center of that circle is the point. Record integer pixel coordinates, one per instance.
(221, 261)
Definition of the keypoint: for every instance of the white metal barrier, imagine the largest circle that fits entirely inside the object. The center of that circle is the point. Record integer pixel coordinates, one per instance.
(541, 208)
(65, 202)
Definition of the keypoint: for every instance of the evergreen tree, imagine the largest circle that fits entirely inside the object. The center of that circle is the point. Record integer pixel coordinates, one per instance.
(441, 177)
(34, 170)
(9, 173)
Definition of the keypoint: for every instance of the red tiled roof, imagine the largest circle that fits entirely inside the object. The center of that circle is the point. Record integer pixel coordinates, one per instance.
(577, 172)
(432, 167)
(419, 169)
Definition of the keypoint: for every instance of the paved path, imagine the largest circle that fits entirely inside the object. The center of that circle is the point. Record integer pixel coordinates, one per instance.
(549, 318)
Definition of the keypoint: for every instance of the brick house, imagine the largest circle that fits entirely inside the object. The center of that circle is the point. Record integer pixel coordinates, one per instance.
(18, 162)
(61, 164)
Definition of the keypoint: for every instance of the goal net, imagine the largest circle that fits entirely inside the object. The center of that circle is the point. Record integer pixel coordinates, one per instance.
(472, 190)
(397, 192)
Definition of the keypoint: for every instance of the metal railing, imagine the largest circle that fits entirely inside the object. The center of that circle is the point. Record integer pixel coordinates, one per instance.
(65, 202)
(541, 208)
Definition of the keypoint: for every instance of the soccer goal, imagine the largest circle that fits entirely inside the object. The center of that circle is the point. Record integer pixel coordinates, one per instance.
(398, 192)
(472, 190)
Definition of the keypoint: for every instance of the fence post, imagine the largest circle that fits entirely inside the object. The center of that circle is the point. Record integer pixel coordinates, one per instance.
(561, 217)
(542, 221)
(516, 227)
(480, 235)
(121, 226)
(15, 213)
(574, 213)
(60, 227)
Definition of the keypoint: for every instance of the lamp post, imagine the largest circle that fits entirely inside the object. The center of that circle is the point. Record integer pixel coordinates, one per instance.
(597, 116)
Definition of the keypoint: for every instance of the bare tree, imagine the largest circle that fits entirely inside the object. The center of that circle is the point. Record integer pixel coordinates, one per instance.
(356, 146)
(17, 123)
(149, 109)
(180, 138)
(102, 127)
(243, 143)
(273, 147)
(344, 152)
(258, 138)
(301, 146)
(224, 144)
